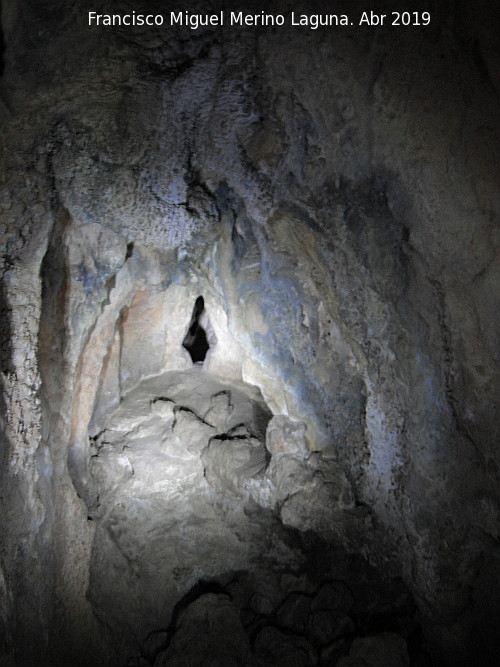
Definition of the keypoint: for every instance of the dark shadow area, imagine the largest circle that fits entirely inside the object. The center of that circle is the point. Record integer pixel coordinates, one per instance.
(353, 603)
(54, 279)
(2, 50)
(6, 364)
(195, 341)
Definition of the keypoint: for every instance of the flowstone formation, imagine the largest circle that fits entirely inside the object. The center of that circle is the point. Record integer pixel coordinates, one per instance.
(249, 341)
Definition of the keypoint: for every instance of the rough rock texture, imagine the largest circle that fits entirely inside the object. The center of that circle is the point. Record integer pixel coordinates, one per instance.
(386, 650)
(328, 479)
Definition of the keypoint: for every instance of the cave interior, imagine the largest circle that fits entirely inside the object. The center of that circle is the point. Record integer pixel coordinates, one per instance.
(249, 341)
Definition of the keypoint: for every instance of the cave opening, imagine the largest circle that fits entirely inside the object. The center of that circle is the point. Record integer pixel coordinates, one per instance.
(196, 341)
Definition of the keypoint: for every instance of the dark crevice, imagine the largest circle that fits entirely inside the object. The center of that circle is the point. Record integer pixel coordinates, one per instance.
(6, 352)
(54, 277)
(162, 399)
(183, 408)
(195, 341)
(6, 358)
(233, 434)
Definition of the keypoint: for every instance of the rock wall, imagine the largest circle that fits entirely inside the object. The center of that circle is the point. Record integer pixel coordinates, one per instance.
(332, 195)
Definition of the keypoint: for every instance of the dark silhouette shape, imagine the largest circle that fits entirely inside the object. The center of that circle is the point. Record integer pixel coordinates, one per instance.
(195, 341)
